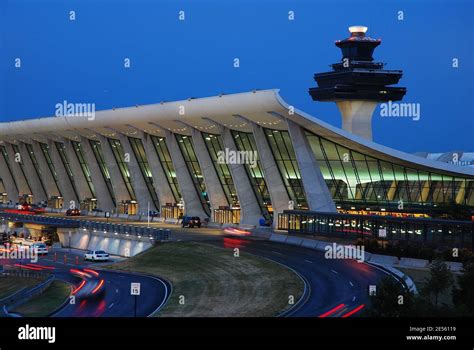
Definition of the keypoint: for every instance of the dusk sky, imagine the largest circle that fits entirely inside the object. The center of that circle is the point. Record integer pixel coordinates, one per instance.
(82, 61)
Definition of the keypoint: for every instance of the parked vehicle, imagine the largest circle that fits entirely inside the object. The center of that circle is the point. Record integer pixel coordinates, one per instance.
(96, 255)
(191, 221)
(41, 248)
(153, 213)
(73, 212)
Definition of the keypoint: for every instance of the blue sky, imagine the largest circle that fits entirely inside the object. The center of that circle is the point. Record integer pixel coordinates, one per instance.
(82, 60)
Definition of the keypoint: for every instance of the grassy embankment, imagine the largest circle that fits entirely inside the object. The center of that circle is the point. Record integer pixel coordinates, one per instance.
(215, 283)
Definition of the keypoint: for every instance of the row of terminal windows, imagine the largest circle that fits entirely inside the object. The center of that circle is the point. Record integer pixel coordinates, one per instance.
(355, 177)
(351, 176)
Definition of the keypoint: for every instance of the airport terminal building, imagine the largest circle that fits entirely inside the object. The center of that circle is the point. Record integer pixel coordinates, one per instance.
(231, 159)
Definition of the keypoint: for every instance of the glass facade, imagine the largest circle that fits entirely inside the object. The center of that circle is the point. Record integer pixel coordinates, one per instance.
(4, 153)
(16, 149)
(353, 177)
(79, 152)
(140, 155)
(119, 156)
(285, 158)
(45, 149)
(245, 142)
(214, 146)
(167, 165)
(31, 153)
(187, 149)
(61, 148)
(97, 149)
(451, 233)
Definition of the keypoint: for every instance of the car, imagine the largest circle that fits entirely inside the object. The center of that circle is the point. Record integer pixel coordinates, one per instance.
(96, 255)
(153, 213)
(73, 212)
(191, 221)
(91, 285)
(41, 248)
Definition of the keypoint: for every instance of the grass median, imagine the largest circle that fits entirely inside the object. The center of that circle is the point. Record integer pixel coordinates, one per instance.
(47, 302)
(12, 284)
(209, 281)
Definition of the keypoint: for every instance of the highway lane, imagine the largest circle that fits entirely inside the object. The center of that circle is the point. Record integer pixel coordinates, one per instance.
(116, 300)
(335, 287)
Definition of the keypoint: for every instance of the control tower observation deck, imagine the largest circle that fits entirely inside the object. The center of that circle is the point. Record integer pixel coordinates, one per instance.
(357, 84)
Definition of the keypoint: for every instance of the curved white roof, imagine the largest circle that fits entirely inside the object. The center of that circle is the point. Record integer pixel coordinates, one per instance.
(264, 107)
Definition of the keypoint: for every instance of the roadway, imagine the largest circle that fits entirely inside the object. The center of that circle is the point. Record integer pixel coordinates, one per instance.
(334, 288)
(116, 300)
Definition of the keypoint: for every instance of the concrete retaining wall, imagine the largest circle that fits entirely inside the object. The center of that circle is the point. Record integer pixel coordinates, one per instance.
(113, 244)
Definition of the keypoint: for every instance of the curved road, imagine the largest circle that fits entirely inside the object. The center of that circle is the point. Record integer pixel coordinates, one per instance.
(335, 288)
(116, 300)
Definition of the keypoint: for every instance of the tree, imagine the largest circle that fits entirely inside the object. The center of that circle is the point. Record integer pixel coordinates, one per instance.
(463, 296)
(440, 279)
(390, 300)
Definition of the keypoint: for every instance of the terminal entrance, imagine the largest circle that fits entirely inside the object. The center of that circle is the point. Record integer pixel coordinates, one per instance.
(26, 198)
(55, 202)
(129, 207)
(89, 204)
(171, 211)
(227, 215)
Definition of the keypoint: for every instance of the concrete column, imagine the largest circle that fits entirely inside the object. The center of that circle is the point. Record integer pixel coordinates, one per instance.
(104, 198)
(65, 185)
(250, 212)
(357, 116)
(79, 179)
(120, 189)
(17, 172)
(192, 203)
(275, 184)
(316, 190)
(8, 181)
(34, 181)
(138, 183)
(47, 176)
(160, 181)
(214, 188)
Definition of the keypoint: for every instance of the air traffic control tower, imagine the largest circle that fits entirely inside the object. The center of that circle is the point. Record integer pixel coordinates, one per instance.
(357, 84)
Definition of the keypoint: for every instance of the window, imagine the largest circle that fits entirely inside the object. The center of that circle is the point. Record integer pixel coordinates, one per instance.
(285, 158)
(214, 146)
(16, 149)
(246, 142)
(366, 179)
(139, 151)
(64, 159)
(45, 149)
(31, 153)
(97, 149)
(119, 156)
(187, 149)
(167, 165)
(77, 147)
